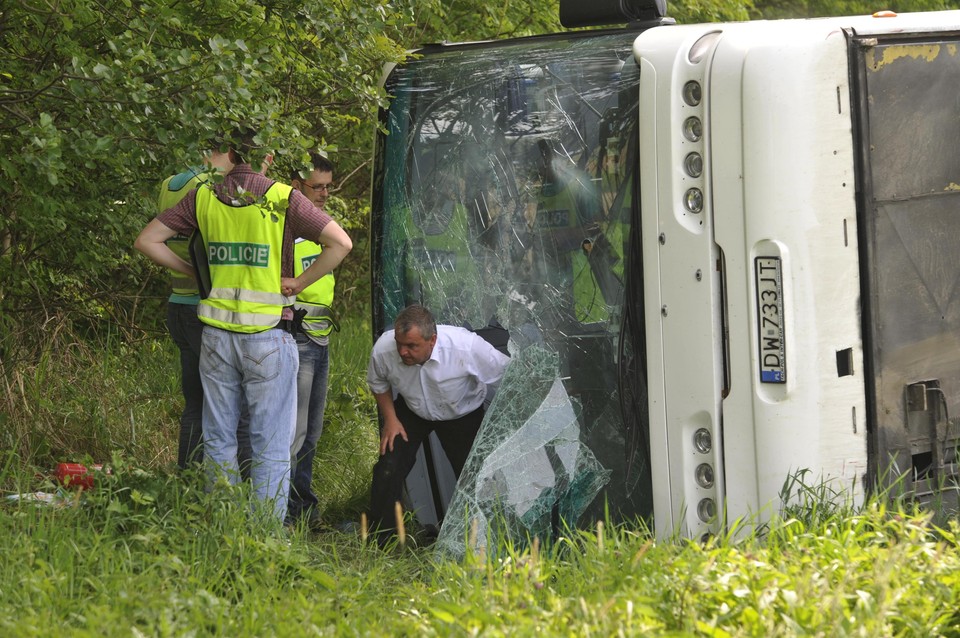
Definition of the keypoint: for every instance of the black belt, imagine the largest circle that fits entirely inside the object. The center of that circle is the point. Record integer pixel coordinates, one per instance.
(287, 324)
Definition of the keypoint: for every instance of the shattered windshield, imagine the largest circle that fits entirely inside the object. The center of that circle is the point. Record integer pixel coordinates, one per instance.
(505, 192)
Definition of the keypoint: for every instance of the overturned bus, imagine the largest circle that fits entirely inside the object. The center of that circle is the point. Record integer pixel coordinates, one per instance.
(724, 254)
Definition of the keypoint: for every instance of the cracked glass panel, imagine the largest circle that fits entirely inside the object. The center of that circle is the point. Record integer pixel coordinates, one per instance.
(504, 190)
(529, 469)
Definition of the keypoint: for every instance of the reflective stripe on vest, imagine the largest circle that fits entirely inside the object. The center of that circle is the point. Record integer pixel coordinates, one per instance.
(180, 283)
(243, 246)
(319, 320)
(317, 298)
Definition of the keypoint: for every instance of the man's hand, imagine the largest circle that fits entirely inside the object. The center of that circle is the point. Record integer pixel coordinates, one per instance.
(391, 429)
(290, 286)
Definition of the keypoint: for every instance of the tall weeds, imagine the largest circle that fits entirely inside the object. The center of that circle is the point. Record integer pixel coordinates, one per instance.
(77, 398)
(82, 398)
(348, 446)
(152, 552)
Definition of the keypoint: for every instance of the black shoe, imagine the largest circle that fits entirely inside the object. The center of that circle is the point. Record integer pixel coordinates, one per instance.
(314, 521)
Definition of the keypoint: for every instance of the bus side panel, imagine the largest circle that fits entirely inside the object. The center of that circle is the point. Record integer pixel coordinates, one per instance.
(780, 194)
(798, 205)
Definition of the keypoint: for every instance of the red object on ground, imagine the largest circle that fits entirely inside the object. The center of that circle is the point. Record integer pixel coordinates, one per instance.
(76, 475)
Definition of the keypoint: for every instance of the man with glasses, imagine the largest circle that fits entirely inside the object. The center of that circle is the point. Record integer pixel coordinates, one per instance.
(316, 185)
(314, 304)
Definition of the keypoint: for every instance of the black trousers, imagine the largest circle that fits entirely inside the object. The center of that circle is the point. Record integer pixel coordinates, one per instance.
(456, 437)
(186, 330)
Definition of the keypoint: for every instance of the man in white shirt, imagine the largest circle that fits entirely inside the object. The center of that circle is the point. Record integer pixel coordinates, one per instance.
(426, 378)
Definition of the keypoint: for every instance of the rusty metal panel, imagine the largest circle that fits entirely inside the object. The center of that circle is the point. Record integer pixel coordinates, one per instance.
(909, 95)
(914, 108)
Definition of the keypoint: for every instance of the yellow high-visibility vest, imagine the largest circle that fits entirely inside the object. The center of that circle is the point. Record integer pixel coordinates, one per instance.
(243, 246)
(316, 300)
(440, 271)
(172, 190)
(558, 211)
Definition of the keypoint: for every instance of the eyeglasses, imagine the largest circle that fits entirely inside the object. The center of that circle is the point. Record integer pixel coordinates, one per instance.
(319, 187)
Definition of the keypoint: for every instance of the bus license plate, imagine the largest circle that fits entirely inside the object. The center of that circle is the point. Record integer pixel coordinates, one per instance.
(773, 360)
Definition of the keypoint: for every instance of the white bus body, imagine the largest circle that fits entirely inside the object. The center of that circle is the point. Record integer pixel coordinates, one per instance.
(792, 219)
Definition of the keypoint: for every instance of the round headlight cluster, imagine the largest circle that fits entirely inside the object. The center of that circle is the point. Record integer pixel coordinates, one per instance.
(691, 145)
(707, 510)
(704, 474)
(703, 440)
(693, 132)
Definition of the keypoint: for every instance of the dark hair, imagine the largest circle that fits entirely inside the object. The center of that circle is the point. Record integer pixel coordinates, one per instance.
(415, 316)
(238, 140)
(319, 163)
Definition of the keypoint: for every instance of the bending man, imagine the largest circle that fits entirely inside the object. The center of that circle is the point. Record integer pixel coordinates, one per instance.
(426, 378)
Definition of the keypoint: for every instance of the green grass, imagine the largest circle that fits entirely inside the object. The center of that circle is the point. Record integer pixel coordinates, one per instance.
(80, 400)
(348, 446)
(149, 552)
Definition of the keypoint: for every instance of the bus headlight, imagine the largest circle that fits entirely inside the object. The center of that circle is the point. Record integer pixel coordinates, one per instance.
(702, 440)
(693, 164)
(692, 93)
(704, 474)
(693, 129)
(706, 510)
(693, 200)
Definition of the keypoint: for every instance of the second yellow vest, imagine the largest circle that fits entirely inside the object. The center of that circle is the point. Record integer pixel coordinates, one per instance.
(316, 300)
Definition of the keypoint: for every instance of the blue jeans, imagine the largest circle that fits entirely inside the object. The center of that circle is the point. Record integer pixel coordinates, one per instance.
(186, 330)
(260, 369)
(311, 401)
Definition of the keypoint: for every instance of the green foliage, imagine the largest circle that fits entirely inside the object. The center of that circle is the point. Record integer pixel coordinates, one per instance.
(347, 449)
(150, 552)
(85, 398)
(463, 20)
(102, 101)
(695, 11)
(771, 9)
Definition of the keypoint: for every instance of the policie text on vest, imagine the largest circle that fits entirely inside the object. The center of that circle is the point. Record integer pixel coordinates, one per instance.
(238, 254)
